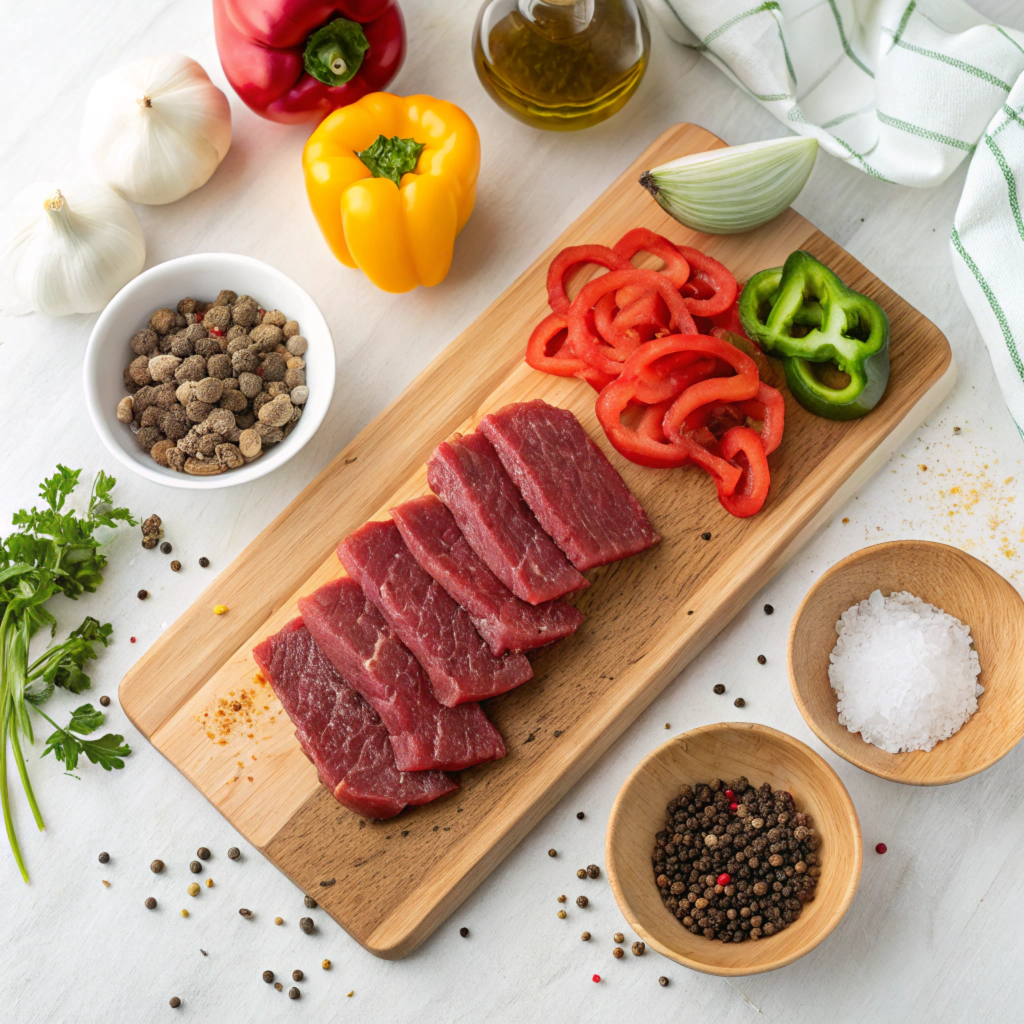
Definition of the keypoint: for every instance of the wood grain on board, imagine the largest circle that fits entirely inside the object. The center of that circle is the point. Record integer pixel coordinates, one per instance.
(646, 617)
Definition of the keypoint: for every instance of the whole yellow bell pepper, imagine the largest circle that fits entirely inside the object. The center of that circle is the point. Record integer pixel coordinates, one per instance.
(392, 181)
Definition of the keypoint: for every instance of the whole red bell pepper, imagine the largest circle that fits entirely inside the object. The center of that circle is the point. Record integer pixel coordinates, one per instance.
(297, 60)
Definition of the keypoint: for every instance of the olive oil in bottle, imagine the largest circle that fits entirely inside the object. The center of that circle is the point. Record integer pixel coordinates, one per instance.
(561, 64)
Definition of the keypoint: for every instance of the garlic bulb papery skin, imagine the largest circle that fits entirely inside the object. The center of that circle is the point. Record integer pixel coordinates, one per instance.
(67, 249)
(156, 129)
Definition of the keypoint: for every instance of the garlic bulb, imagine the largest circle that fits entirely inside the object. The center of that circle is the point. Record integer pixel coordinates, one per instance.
(67, 250)
(157, 129)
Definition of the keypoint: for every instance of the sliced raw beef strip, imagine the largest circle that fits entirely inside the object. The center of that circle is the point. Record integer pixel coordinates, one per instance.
(571, 487)
(467, 475)
(506, 623)
(358, 642)
(440, 633)
(339, 732)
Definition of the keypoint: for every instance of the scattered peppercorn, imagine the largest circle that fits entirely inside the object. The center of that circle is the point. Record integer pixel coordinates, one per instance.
(245, 913)
(306, 924)
(705, 536)
(195, 867)
(294, 993)
(193, 889)
(142, 595)
(325, 964)
(618, 937)
(561, 899)
(595, 977)
(582, 873)
(156, 867)
(593, 871)
(278, 986)
(739, 702)
(766, 849)
(585, 936)
(268, 977)
(105, 701)
(278, 920)
(204, 562)
(165, 548)
(297, 975)
(175, 1002)
(175, 566)
(203, 853)
(580, 815)
(561, 914)
(234, 853)
(309, 901)
(104, 857)
(184, 913)
(150, 903)
(663, 981)
(552, 852)
(769, 610)
(209, 883)
(618, 952)
(638, 949)
(762, 660)
(881, 848)
(464, 932)
(719, 688)
(581, 901)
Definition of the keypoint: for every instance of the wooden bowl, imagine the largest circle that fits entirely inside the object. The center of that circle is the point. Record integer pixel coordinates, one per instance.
(949, 579)
(726, 751)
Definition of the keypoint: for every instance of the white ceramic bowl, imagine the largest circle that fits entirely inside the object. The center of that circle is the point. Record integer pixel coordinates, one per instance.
(201, 276)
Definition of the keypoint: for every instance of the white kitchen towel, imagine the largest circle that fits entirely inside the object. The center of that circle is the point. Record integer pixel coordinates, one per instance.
(904, 91)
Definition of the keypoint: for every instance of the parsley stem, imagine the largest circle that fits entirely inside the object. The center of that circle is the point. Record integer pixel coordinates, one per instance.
(5, 799)
(25, 781)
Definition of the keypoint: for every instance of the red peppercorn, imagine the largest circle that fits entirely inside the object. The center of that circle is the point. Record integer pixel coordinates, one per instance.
(724, 878)
(881, 848)
(259, 371)
(199, 317)
(133, 639)
(596, 977)
(730, 795)
(734, 807)
(216, 332)
(263, 312)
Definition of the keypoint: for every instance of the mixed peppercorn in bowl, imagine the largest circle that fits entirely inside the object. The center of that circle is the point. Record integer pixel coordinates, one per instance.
(193, 387)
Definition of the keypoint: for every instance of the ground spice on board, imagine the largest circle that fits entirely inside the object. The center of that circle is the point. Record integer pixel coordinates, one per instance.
(756, 837)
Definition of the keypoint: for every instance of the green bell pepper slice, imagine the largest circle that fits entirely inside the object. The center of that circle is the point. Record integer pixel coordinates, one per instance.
(804, 313)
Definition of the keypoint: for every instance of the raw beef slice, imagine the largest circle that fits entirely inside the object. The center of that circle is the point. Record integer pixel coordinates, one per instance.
(362, 647)
(339, 732)
(467, 475)
(571, 487)
(456, 659)
(506, 623)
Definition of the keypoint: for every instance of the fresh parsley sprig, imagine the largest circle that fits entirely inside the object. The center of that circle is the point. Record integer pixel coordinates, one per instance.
(53, 551)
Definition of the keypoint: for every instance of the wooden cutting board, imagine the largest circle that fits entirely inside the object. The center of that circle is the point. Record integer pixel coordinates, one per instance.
(646, 617)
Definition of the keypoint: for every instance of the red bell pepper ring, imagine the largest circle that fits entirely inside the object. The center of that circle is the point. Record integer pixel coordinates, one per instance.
(738, 388)
(571, 257)
(588, 346)
(748, 496)
(704, 270)
(297, 60)
(663, 371)
(543, 350)
(769, 407)
(676, 269)
(637, 445)
(625, 328)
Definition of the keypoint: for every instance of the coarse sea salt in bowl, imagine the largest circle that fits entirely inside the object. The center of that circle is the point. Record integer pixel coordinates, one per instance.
(201, 276)
(954, 582)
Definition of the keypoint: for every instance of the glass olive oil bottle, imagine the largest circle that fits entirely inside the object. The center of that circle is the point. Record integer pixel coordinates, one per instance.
(561, 64)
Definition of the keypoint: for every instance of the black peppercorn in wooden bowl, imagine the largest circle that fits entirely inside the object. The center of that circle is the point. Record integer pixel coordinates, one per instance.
(731, 750)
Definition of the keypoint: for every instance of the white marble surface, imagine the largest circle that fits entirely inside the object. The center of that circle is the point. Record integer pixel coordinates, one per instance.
(934, 932)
